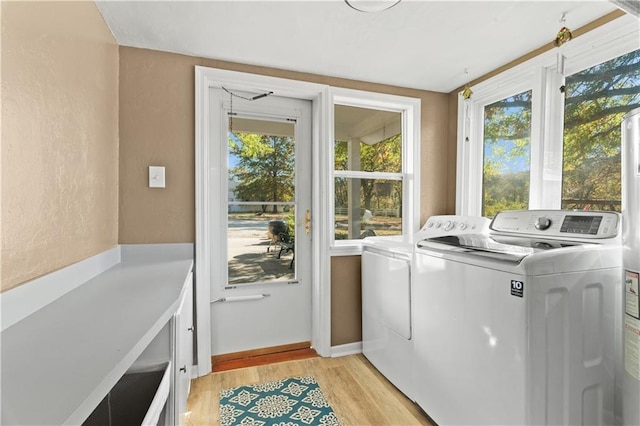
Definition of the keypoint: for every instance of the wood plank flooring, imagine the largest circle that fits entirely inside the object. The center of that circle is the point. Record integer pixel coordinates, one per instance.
(358, 393)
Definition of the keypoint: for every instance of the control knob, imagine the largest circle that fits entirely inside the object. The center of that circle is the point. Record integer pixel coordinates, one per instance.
(542, 223)
(448, 225)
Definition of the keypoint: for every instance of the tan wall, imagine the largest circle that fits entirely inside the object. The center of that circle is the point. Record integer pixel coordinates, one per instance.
(346, 300)
(436, 196)
(59, 137)
(157, 118)
(157, 128)
(452, 150)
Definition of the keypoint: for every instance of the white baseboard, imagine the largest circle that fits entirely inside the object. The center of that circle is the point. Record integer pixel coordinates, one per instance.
(346, 349)
(20, 302)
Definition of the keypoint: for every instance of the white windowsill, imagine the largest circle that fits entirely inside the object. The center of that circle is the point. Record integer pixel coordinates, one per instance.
(350, 248)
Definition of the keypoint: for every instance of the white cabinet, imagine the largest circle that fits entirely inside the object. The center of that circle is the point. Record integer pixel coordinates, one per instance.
(139, 398)
(183, 351)
(155, 389)
(66, 357)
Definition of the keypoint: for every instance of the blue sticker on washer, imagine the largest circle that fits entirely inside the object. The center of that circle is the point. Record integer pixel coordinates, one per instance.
(517, 288)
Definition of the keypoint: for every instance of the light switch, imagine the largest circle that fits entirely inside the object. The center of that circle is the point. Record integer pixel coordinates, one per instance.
(156, 176)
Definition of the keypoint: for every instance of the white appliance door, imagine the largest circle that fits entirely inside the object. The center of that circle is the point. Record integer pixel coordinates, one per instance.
(630, 329)
(386, 317)
(470, 337)
(386, 291)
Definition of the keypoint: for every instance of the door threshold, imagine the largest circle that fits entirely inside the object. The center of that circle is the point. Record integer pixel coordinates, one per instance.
(263, 356)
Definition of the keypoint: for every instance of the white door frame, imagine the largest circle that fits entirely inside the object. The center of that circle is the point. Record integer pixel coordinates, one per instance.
(322, 117)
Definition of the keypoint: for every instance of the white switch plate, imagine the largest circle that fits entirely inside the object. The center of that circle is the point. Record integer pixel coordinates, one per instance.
(156, 176)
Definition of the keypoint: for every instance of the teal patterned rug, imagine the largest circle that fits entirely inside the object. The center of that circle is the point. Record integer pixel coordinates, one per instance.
(297, 401)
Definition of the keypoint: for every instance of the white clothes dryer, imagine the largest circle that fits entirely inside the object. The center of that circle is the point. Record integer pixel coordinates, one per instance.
(520, 326)
(387, 335)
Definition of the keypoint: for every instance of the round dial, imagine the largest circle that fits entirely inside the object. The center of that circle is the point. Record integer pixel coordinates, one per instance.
(448, 225)
(542, 223)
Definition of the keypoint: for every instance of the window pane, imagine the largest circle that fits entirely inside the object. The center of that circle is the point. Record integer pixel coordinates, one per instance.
(507, 141)
(260, 245)
(261, 201)
(367, 207)
(261, 160)
(367, 140)
(595, 101)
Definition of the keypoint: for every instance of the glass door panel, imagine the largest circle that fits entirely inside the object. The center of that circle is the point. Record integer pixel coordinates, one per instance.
(261, 213)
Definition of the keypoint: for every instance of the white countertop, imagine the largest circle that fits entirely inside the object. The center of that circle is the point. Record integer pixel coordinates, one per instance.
(58, 363)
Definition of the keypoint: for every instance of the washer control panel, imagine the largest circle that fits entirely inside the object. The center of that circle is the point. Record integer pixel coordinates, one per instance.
(558, 223)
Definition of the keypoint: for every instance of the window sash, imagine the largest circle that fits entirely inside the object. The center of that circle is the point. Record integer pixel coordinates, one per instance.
(540, 75)
(367, 175)
(410, 110)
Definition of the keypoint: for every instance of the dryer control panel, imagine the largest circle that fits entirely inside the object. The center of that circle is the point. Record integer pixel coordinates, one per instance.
(558, 223)
(454, 224)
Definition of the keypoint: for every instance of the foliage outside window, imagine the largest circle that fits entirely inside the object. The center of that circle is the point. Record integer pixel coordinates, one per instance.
(368, 184)
(596, 99)
(506, 158)
(263, 168)
(261, 201)
(573, 151)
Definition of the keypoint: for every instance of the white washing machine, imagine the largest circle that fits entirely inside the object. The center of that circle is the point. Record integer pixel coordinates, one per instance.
(387, 335)
(520, 326)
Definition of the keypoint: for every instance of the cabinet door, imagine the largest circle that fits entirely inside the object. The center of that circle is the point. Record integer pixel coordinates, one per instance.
(183, 351)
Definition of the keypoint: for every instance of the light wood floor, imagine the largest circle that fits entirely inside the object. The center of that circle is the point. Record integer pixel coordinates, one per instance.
(358, 393)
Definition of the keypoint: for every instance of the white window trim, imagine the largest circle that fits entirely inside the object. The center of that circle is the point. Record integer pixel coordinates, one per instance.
(539, 75)
(322, 97)
(410, 110)
(205, 177)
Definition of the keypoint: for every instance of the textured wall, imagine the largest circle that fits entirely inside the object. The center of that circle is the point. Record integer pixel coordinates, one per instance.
(346, 300)
(157, 120)
(157, 128)
(59, 137)
(452, 148)
(436, 196)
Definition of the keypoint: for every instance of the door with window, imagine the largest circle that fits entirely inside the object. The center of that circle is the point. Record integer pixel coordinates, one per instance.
(260, 232)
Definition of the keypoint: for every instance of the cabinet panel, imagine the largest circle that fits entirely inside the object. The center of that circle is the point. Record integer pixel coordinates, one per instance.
(137, 399)
(183, 354)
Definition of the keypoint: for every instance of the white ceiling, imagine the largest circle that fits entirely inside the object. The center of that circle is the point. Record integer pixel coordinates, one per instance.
(422, 44)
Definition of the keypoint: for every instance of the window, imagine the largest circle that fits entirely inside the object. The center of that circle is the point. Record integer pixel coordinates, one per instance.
(368, 172)
(506, 159)
(596, 99)
(261, 168)
(374, 157)
(534, 138)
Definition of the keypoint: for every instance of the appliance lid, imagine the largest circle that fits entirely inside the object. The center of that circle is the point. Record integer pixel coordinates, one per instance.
(498, 247)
